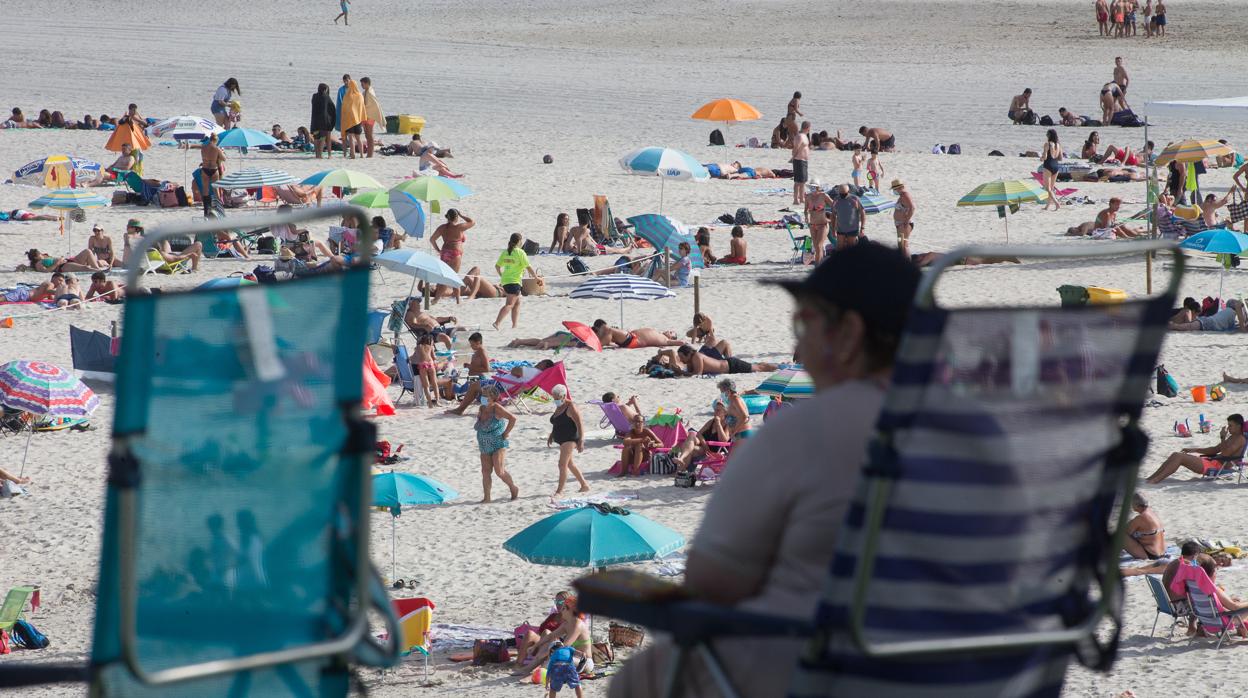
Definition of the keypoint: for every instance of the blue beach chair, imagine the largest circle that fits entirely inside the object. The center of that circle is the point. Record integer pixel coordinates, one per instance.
(982, 517)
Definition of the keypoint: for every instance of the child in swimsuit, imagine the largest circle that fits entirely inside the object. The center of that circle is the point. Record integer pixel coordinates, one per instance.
(427, 368)
(859, 156)
(875, 168)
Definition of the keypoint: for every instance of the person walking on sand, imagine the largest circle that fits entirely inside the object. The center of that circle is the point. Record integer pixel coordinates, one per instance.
(451, 234)
(345, 6)
(511, 265)
(493, 426)
(1050, 156)
(567, 431)
(373, 115)
(324, 115)
(801, 164)
(817, 203)
(903, 215)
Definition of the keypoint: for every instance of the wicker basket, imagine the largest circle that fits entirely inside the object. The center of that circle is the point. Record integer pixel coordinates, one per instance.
(626, 635)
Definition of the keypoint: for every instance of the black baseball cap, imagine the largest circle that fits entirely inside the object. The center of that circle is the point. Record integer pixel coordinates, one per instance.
(878, 282)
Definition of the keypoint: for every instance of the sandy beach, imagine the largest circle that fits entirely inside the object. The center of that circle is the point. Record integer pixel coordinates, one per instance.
(503, 84)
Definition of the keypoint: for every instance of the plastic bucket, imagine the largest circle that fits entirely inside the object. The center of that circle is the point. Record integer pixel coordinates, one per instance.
(1199, 394)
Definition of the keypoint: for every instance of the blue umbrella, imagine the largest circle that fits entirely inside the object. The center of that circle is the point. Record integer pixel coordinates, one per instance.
(408, 213)
(666, 234)
(1219, 241)
(664, 163)
(419, 265)
(244, 138)
(225, 282)
(593, 536)
(874, 202)
(395, 490)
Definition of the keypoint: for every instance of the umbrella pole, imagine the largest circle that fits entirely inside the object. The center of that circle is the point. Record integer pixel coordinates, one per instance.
(1007, 226)
(30, 431)
(660, 195)
(621, 312)
(394, 566)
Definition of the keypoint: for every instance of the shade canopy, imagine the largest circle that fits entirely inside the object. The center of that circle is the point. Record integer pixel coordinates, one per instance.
(1219, 109)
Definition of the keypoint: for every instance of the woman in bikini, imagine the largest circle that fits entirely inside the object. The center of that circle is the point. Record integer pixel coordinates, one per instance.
(451, 234)
(83, 261)
(560, 242)
(1146, 538)
(703, 333)
(101, 246)
(1111, 100)
(1050, 156)
(212, 167)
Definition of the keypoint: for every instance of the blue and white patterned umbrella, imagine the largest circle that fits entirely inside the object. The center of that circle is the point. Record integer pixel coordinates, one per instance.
(664, 163)
(622, 287)
(184, 128)
(254, 178)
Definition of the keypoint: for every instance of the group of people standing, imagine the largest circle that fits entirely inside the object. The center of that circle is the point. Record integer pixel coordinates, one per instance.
(355, 114)
(1117, 18)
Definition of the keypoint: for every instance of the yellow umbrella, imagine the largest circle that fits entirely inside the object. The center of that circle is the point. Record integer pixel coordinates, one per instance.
(1193, 151)
(727, 110)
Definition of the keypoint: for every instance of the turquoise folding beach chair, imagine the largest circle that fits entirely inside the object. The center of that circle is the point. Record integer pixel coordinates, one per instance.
(980, 551)
(235, 559)
(1165, 605)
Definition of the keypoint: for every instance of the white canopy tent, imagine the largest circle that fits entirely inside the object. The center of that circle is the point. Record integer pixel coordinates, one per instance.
(1221, 109)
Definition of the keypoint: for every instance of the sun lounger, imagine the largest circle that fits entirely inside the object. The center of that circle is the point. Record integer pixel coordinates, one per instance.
(982, 518)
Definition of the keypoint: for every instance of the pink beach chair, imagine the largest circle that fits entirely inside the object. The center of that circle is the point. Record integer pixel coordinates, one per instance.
(517, 391)
(1060, 192)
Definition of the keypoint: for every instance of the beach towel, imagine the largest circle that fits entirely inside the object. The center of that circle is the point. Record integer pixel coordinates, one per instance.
(375, 383)
(445, 637)
(351, 113)
(372, 108)
(578, 502)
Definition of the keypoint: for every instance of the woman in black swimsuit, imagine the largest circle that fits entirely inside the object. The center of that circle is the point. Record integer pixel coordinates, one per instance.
(1050, 157)
(566, 430)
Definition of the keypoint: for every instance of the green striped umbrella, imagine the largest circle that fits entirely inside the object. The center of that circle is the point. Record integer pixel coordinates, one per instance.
(788, 383)
(342, 178)
(68, 200)
(1003, 193)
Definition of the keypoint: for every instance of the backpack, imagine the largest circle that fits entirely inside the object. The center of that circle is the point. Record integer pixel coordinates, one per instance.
(1166, 384)
(1046, 120)
(726, 218)
(264, 274)
(717, 138)
(577, 266)
(531, 247)
(1030, 119)
(1209, 306)
(954, 149)
(938, 149)
(744, 217)
(26, 637)
(490, 652)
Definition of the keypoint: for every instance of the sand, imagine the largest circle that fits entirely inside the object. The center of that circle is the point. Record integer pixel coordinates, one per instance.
(585, 82)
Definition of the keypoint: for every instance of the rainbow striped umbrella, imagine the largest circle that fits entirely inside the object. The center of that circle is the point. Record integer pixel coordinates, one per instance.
(69, 199)
(1004, 193)
(788, 383)
(45, 389)
(1193, 150)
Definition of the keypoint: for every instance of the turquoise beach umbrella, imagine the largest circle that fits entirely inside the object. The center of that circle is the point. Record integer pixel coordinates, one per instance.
(593, 536)
(1221, 242)
(395, 490)
(788, 383)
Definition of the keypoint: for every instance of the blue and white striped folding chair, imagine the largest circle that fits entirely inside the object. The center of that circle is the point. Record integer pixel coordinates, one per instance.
(1213, 621)
(982, 515)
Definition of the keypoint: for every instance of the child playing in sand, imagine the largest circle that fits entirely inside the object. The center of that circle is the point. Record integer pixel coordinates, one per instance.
(858, 160)
(426, 365)
(561, 671)
(875, 168)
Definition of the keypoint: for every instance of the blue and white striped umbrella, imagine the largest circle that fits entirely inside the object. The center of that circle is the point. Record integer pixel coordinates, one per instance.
(184, 128)
(664, 163)
(244, 138)
(254, 178)
(875, 202)
(622, 287)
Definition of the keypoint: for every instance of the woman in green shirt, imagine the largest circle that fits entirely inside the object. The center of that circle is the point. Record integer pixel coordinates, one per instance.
(510, 266)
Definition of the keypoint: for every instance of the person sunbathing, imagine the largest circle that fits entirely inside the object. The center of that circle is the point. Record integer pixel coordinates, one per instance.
(1107, 227)
(695, 445)
(1146, 537)
(476, 286)
(518, 373)
(703, 332)
(1114, 174)
(1232, 317)
(1070, 118)
(105, 289)
(71, 295)
(46, 291)
(1188, 313)
(629, 408)
(528, 636)
(124, 162)
(421, 322)
(637, 444)
(83, 261)
(429, 159)
(1209, 207)
(8, 489)
(927, 259)
(640, 338)
(1230, 448)
(558, 340)
(696, 363)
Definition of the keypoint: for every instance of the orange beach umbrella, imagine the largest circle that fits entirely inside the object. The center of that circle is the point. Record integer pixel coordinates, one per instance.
(727, 110)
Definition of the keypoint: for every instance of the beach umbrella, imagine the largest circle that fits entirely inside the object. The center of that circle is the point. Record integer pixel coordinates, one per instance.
(433, 189)
(874, 202)
(58, 171)
(419, 265)
(788, 383)
(184, 129)
(225, 282)
(666, 233)
(1003, 194)
(621, 287)
(254, 178)
(343, 179)
(729, 111)
(664, 163)
(408, 213)
(1219, 241)
(396, 490)
(68, 200)
(44, 389)
(244, 138)
(1193, 150)
(372, 199)
(593, 536)
(584, 333)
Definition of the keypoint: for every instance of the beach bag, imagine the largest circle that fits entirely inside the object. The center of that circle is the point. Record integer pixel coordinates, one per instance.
(1046, 120)
(577, 266)
(26, 637)
(4, 643)
(1126, 117)
(1092, 122)
(1238, 209)
(531, 247)
(744, 217)
(264, 274)
(622, 635)
(602, 653)
(662, 463)
(490, 652)
(266, 245)
(1166, 384)
(685, 479)
(954, 149)
(1030, 118)
(717, 137)
(660, 371)
(938, 149)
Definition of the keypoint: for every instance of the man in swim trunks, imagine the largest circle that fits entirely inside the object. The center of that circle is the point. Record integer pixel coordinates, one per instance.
(1020, 107)
(451, 234)
(640, 338)
(1202, 460)
(886, 140)
(1120, 75)
(421, 322)
(1107, 227)
(1102, 17)
(801, 163)
(698, 364)
(212, 167)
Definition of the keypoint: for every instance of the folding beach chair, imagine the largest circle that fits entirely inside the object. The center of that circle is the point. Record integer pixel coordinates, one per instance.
(235, 556)
(989, 505)
(612, 417)
(801, 244)
(1165, 605)
(1211, 615)
(1228, 466)
(14, 606)
(153, 263)
(408, 381)
(520, 393)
